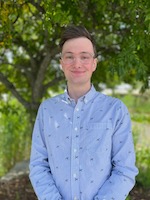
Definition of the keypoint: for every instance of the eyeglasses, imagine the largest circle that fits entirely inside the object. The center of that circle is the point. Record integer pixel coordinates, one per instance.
(84, 58)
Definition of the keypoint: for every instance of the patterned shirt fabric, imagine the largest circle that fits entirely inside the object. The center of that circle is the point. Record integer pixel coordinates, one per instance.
(83, 150)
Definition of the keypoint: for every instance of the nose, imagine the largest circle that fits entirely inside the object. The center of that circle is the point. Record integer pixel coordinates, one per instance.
(77, 62)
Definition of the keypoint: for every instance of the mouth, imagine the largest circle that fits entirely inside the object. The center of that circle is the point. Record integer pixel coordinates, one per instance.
(78, 72)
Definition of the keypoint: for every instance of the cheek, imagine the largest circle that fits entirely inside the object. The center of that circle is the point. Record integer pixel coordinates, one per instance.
(65, 69)
(91, 68)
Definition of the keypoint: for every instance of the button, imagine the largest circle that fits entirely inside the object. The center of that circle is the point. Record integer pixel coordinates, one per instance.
(75, 198)
(75, 150)
(85, 100)
(75, 128)
(74, 175)
(77, 109)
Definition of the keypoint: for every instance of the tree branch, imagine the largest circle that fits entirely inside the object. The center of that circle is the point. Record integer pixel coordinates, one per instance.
(24, 44)
(13, 90)
(52, 83)
(40, 77)
(25, 70)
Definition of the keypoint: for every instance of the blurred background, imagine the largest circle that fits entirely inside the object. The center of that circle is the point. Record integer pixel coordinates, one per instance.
(29, 73)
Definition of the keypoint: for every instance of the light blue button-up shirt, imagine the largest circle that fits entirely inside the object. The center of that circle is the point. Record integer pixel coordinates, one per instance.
(83, 150)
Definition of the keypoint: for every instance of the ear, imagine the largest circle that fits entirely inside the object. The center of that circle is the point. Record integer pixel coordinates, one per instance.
(60, 65)
(94, 64)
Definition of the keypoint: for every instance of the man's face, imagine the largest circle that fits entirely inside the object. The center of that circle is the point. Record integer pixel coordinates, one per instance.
(77, 60)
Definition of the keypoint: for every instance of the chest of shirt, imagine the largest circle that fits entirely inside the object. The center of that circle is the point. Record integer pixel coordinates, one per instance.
(88, 125)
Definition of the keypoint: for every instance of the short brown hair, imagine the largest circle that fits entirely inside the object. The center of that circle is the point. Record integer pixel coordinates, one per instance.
(72, 32)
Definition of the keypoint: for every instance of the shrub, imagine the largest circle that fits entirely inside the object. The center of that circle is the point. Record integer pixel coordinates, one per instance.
(15, 134)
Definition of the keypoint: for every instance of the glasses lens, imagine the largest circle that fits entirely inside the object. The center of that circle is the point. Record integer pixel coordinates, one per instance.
(68, 58)
(85, 58)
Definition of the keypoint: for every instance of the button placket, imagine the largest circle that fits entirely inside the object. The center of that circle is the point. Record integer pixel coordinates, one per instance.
(75, 150)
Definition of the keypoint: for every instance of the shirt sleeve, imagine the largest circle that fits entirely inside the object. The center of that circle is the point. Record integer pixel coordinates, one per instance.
(122, 177)
(40, 172)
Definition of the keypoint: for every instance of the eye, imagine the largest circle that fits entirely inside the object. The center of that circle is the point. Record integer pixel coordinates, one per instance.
(69, 57)
(85, 57)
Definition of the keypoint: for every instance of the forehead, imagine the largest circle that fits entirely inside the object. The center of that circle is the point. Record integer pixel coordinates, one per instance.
(78, 45)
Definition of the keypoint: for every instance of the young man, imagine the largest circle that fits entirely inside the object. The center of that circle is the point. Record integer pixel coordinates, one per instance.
(82, 147)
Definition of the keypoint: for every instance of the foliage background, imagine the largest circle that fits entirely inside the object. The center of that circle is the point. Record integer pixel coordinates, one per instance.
(30, 32)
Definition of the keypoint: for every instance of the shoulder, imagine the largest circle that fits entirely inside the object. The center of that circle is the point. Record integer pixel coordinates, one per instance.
(111, 101)
(106, 98)
(51, 101)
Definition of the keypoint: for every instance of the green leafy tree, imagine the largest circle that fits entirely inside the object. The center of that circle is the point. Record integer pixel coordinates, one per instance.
(29, 38)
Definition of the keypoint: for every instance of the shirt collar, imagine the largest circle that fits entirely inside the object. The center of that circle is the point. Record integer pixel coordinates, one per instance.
(86, 98)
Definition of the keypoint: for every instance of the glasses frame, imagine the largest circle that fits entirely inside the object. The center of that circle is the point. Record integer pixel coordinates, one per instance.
(75, 57)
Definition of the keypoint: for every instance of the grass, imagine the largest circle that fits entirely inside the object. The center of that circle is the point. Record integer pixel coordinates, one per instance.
(139, 107)
(142, 157)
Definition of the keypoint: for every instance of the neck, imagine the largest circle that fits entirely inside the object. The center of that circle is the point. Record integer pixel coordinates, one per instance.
(75, 92)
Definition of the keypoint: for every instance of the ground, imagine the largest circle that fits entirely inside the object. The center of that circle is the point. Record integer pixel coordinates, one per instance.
(19, 188)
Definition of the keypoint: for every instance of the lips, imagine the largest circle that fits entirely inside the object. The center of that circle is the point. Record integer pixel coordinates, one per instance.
(78, 72)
